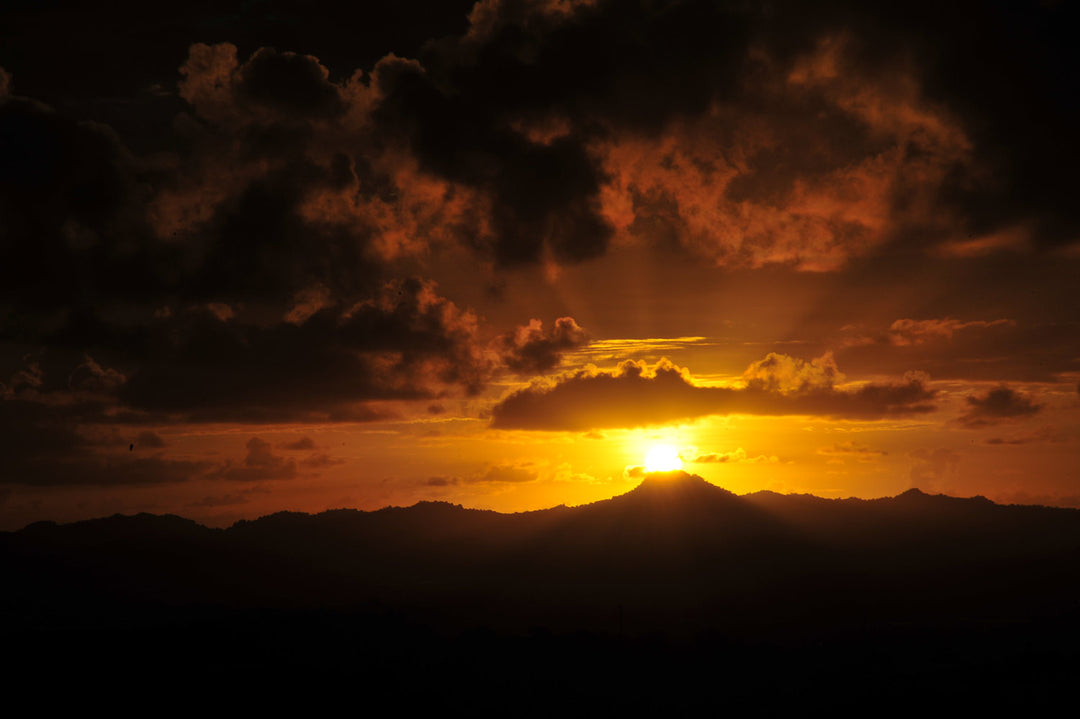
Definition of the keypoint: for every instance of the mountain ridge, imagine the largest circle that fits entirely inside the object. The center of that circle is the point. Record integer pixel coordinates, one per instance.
(653, 485)
(677, 579)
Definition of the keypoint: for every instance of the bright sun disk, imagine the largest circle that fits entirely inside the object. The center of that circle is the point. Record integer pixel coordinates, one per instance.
(662, 458)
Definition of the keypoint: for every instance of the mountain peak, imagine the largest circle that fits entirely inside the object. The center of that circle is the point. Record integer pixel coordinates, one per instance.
(677, 482)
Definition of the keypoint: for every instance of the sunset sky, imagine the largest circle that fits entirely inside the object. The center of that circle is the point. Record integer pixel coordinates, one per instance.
(276, 255)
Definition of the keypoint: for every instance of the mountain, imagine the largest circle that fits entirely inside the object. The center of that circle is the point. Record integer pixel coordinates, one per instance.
(677, 560)
(674, 539)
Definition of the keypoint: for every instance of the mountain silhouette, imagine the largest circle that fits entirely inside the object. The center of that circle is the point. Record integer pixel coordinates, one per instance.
(676, 561)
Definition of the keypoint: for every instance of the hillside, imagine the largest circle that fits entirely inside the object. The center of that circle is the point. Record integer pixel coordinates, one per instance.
(677, 561)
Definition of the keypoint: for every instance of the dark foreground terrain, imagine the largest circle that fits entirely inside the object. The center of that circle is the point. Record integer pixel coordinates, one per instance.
(675, 597)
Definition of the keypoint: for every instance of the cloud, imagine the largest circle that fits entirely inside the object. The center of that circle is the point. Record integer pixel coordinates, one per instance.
(995, 349)
(303, 444)
(260, 463)
(997, 405)
(532, 350)
(43, 445)
(92, 377)
(736, 456)
(911, 332)
(786, 375)
(842, 451)
(71, 206)
(802, 164)
(635, 394)
(442, 481)
(497, 473)
(802, 134)
(293, 186)
(289, 83)
(269, 86)
(508, 473)
(405, 342)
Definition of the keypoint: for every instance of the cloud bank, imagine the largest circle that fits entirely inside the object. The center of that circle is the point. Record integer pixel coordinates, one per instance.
(635, 395)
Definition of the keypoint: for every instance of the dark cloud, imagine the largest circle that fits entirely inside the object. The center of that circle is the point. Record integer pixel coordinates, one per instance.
(948, 348)
(635, 395)
(531, 349)
(544, 198)
(407, 342)
(441, 481)
(93, 226)
(304, 444)
(997, 405)
(345, 34)
(43, 445)
(539, 107)
(65, 445)
(70, 199)
(289, 83)
(260, 463)
(207, 363)
(912, 332)
(540, 122)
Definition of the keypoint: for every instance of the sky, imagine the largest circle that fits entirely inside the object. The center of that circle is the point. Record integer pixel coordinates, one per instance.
(265, 256)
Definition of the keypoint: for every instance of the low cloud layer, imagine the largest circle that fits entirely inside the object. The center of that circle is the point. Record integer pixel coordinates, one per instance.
(636, 395)
(735, 456)
(843, 451)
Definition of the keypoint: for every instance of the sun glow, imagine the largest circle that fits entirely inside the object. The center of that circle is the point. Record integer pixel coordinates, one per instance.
(662, 458)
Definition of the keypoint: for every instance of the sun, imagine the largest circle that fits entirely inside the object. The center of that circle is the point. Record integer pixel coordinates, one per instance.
(663, 458)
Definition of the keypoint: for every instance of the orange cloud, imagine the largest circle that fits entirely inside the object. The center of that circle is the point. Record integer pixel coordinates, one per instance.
(747, 184)
(851, 450)
(735, 456)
